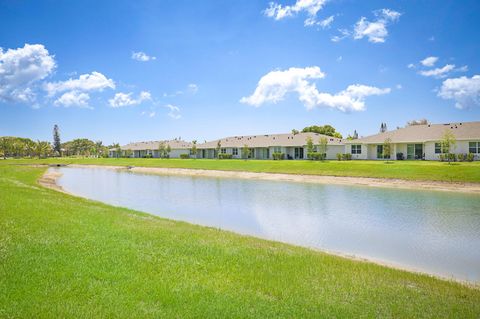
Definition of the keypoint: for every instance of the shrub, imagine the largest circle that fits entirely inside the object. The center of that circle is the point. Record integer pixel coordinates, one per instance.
(224, 156)
(452, 157)
(461, 157)
(441, 157)
(346, 156)
(316, 156)
(278, 156)
(470, 157)
(400, 156)
(146, 156)
(184, 156)
(339, 156)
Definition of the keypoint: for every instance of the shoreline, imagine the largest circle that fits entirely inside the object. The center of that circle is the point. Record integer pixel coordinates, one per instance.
(470, 188)
(49, 180)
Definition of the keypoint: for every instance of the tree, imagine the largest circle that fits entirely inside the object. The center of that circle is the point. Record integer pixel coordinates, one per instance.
(168, 150)
(295, 132)
(218, 148)
(309, 147)
(193, 150)
(42, 149)
(57, 145)
(355, 135)
(246, 152)
(325, 130)
(5, 146)
(162, 149)
(387, 148)
(448, 143)
(118, 150)
(383, 127)
(322, 147)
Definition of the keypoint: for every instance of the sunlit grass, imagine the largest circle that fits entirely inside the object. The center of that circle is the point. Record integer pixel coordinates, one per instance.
(62, 256)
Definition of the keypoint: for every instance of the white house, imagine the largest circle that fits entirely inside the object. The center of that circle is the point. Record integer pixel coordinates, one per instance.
(151, 149)
(417, 142)
(293, 146)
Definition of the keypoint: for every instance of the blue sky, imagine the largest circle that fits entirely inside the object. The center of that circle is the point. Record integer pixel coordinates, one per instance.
(122, 71)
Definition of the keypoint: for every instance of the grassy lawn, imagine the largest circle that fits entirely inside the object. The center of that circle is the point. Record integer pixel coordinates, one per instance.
(409, 170)
(62, 256)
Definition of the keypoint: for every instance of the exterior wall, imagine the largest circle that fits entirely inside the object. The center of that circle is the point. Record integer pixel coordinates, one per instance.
(362, 156)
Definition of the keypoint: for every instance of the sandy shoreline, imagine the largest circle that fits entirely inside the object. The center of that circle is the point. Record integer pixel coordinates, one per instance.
(315, 179)
(49, 180)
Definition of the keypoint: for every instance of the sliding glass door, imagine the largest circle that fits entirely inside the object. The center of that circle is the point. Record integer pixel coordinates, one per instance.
(415, 151)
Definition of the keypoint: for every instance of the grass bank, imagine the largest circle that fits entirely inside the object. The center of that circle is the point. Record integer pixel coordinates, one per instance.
(62, 256)
(408, 170)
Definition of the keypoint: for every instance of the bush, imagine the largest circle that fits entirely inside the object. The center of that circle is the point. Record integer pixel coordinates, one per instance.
(461, 157)
(441, 157)
(316, 156)
(452, 157)
(400, 156)
(346, 156)
(146, 156)
(224, 156)
(184, 156)
(470, 157)
(339, 156)
(278, 156)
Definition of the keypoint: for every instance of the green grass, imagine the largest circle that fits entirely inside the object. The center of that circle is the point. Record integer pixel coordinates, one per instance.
(66, 257)
(408, 170)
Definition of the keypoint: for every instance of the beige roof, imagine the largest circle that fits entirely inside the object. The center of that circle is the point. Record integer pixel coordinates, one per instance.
(268, 140)
(153, 145)
(424, 133)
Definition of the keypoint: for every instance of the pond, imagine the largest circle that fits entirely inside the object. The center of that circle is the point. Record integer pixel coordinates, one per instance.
(429, 231)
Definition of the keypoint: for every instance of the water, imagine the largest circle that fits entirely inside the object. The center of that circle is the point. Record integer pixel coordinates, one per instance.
(434, 232)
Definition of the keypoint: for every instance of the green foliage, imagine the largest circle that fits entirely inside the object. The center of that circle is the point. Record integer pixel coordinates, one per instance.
(224, 156)
(295, 132)
(79, 147)
(470, 157)
(193, 150)
(325, 130)
(184, 156)
(316, 156)
(346, 157)
(218, 148)
(339, 156)
(387, 148)
(323, 145)
(57, 145)
(278, 156)
(448, 144)
(309, 145)
(461, 157)
(246, 152)
(163, 150)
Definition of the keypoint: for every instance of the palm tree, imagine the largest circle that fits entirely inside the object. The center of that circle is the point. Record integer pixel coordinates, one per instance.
(42, 148)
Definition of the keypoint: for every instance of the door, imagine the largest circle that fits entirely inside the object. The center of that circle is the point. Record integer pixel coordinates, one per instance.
(415, 151)
(298, 152)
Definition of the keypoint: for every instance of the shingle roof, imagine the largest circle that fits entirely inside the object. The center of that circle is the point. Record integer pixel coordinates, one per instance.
(268, 140)
(153, 145)
(424, 133)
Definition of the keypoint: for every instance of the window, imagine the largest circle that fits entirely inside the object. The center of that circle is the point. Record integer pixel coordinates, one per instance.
(235, 151)
(223, 151)
(438, 148)
(474, 147)
(379, 151)
(357, 149)
(277, 149)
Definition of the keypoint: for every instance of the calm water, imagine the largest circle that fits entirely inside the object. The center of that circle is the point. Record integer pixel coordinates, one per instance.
(435, 232)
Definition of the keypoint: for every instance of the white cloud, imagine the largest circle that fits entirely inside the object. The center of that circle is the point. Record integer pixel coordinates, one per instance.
(73, 98)
(21, 69)
(429, 61)
(311, 7)
(142, 57)
(275, 85)
(174, 111)
(86, 82)
(343, 34)
(438, 72)
(376, 31)
(465, 91)
(324, 24)
(125, 99)
(148, 113)
(398, 86)
(192, 88)
(411, 66)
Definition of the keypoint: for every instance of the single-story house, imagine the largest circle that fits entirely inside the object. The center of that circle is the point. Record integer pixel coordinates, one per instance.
(293, 146)
(147, 149)
(417, 142)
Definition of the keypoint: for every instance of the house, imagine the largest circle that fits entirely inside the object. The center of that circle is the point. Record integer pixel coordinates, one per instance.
(417, 142)
(151, 149)
(293, 146)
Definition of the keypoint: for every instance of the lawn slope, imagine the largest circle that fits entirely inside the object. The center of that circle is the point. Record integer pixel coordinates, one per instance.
(66, 257)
